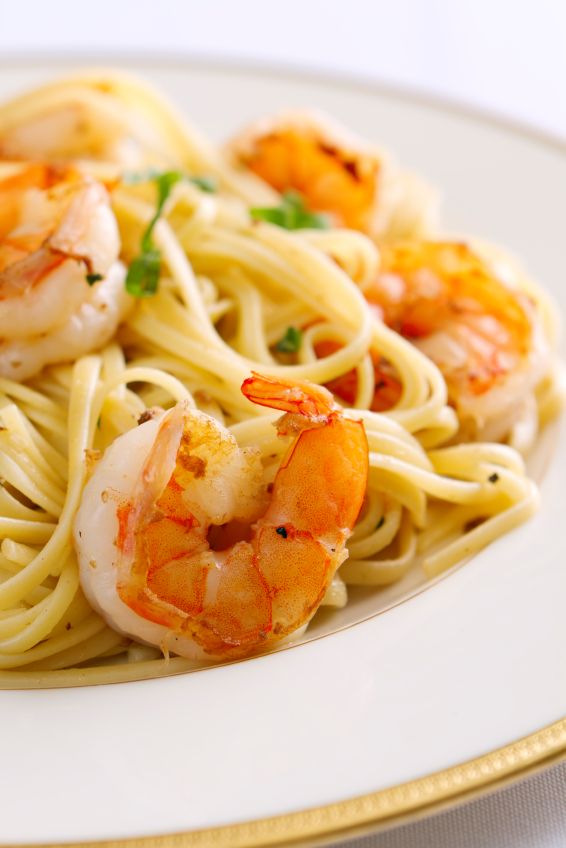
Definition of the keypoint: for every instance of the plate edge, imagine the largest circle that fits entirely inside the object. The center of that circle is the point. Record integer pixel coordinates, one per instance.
(297, 72)
(368, 813)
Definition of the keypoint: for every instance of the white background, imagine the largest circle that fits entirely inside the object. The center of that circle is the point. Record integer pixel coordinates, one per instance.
(505, 56)
(508, 56)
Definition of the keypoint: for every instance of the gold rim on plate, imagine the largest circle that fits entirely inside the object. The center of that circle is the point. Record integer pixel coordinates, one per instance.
(377, 810)
(423, 796)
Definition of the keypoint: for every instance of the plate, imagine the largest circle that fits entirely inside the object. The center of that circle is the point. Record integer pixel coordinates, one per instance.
(449, 691)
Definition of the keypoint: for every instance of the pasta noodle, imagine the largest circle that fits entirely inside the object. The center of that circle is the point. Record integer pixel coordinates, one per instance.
(229, 290)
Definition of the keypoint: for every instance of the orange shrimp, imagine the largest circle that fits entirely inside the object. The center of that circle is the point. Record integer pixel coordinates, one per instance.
(334, 172)
(356, 184)
(57, 233)
(156, 577)
(483, 334)
(14, 185)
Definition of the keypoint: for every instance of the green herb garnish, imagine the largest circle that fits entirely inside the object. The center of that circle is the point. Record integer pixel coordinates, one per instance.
(380, 523)
(292, 214)
(138, 177)
(291, 341)
(208, 184)
(142, 278)
(93, 278)
(164, 182)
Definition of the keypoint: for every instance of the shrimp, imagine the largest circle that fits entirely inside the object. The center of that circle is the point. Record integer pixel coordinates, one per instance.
(56, 230)
(79, 120)
(337, 173)
(69, 130)
(483, 332)
(163, 490)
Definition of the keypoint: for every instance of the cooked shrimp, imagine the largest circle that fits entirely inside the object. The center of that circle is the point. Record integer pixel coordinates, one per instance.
(162, 490)
(484, 334)
(336, 173)
(80, 120)
(67, 130)
(56, 229)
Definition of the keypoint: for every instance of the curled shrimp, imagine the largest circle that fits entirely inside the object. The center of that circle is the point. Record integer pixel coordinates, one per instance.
(337, 173)
(160, 493)
(61, 284)
(80, 119)
(484, 333)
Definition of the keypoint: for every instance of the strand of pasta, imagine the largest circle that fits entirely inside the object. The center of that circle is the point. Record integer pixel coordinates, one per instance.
(86, 374)
(476, 539)
(354, 252)
(95, 675)
(363, 572)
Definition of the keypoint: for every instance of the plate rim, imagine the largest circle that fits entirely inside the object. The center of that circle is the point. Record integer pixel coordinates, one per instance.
(376, 811)
(113, 57)
(431, 793)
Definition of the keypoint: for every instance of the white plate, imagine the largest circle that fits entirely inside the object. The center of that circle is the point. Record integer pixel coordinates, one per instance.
(474, 663)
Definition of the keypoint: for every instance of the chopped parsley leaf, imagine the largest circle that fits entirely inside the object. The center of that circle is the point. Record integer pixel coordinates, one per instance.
(208, 184)
(291, 341)
(137, 177)
(142, 279)
(291, 214)
(93, 278)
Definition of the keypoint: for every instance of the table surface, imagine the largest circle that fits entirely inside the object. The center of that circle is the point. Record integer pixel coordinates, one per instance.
(505, 57)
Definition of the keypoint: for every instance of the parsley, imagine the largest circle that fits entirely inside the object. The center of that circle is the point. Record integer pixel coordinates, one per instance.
(164, 183)
(208, 184)
(93, 278)
(493, 478)
(291, 341)
(142, 278)
(380, 523)
(281, 531)
(137, 177)
(292, 214)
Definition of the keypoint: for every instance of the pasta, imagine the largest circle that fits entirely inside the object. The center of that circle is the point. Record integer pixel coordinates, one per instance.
(230, 290)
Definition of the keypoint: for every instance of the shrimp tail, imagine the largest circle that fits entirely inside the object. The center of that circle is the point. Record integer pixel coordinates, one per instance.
(313, 402)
